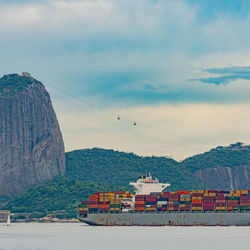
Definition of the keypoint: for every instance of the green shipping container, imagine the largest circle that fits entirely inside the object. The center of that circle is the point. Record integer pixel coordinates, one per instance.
(114, 205)
(185, 202)
(83, 205)
(244, 208)
(233, 198)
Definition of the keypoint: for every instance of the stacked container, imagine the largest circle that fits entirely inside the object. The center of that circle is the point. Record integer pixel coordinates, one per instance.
(140, 203)
(83, 208)
(162, 202)
(181, 201)
(220, 201)
(151, 203)
(173, 201)
(115, 204)
(244, 200)
(185, 201)
(104, 200)
(93, 203)
(197, 198)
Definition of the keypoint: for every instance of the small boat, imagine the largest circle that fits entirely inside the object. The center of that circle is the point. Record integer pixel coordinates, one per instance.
(8, 221)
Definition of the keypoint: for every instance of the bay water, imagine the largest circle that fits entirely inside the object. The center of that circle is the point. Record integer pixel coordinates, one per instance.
(80, 236)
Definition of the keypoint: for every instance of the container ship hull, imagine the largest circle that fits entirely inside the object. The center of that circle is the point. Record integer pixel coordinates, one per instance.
(168, 219)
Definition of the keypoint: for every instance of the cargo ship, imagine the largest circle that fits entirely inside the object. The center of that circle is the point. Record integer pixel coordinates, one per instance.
(150, 206)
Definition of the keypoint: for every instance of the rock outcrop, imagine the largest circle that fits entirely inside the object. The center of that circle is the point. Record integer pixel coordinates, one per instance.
(225, 178)
(31, 143)
(225, 168)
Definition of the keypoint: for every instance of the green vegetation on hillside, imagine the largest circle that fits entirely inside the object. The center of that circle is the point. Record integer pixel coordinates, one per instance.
(13, 83)
(59, 197)
(231, 156)
(94, 170)
(120, 168)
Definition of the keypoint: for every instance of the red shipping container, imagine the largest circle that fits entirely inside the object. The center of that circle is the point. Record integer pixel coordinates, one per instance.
(103, 209)
(103, 202)
(198, 195)
(139, 205)
(151, 199)
(93, 202)
(174, 196)
(208, 208)
(213, 191)
(245, 198)
(165, 193)
(173, 199)
(93, 197)
(119, 192)
(247, 204)
(196, 204)
(84, 202)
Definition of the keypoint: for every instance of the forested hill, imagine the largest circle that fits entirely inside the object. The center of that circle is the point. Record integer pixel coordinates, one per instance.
(222, 167)
(118, 168)
(96, 169)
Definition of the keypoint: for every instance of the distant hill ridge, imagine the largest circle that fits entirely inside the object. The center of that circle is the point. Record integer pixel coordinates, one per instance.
(220, 168)
(119, 168)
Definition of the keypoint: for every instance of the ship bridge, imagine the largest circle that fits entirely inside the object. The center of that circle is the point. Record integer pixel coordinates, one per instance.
(147, 185)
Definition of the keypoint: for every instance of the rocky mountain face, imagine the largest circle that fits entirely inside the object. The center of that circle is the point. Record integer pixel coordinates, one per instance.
(31, 143)
(225, 178)
(225, 168)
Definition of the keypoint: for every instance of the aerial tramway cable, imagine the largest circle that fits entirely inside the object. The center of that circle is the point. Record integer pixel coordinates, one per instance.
(119, 118)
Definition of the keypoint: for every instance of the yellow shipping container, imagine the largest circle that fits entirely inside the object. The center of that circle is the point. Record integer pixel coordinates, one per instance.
(114, 209)
(197, 198)
(196, 208)
(243, 191)
(233, 195)
(220, 208)
(185, 199)
(236, 192)
(150, 208)
(212, 194)
(197, 191)
(83, 208)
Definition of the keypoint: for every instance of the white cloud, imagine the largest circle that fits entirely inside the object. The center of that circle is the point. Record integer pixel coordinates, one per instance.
(85, 17)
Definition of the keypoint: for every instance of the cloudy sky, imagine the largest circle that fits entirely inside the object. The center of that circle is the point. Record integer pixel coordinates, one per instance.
(179, 69)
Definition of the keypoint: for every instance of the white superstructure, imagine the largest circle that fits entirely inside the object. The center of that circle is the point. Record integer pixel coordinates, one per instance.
(146, 185)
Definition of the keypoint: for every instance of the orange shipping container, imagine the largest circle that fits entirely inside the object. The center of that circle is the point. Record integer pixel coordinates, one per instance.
(197, 201)
(104, 205)
(93, 197)
(93, 206)
(139, 208)
(139, 202)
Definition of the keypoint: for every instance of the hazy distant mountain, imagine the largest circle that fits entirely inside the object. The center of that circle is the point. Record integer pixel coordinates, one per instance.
(31, 144)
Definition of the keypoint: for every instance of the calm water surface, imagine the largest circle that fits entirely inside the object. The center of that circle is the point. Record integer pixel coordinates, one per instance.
(80, 236)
